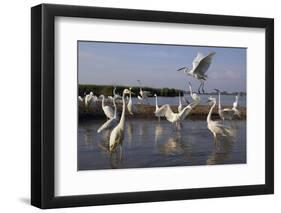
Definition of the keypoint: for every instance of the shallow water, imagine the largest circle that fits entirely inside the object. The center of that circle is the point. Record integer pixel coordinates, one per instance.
(226, 100)
(149, 143)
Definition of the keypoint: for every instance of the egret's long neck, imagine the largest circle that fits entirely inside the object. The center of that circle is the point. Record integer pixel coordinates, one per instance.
(210, 112)
(236, 100)
(190, 90)
(122, 120)
(102, 102)
(179, 99)
(219, 100)
(115, 109)
(114, 91)
(156, 102)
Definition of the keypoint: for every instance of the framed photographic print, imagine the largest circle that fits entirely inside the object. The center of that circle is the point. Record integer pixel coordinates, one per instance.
(140, 106)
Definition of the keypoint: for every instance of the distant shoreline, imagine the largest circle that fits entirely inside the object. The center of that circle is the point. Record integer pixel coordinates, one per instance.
(164, 92)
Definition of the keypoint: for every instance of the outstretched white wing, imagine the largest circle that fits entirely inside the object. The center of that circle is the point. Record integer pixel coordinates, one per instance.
(197, 60)
(203, 64)
(169, 114)
(160, 111)
(186, 110)
(108, 111)
(108, 124)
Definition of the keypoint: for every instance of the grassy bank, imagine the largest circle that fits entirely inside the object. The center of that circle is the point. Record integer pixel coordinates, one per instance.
(147, 111)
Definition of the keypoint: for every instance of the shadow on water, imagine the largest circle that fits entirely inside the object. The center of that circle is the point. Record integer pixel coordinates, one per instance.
(150, 143)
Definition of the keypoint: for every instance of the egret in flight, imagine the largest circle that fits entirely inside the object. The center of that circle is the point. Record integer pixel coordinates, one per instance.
(108, 111)
(200, 65)
(228, 113)
(117, 134)
(214, 126)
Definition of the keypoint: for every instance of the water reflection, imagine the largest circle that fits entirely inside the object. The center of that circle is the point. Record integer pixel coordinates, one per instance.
(130, 132)
(224, 145)
(116, 158)
(149, 143)
(88, 136)
(221, 151)
(158, 132)
(176, 146)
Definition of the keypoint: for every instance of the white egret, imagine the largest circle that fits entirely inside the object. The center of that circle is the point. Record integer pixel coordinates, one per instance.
(140, 98)
(112, 121)
(180, 104)
(80, 99)
(177, 117)
(88, 99)
(143, 94)
(193, 95)
(200, 65)
(117, 134)
(130, 106)
(108, 111)
(214, 126)
(228, 113)
(235, 105)
(115, 95)
(159, 111)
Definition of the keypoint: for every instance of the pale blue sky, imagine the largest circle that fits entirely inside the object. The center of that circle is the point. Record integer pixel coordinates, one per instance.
(156, 65)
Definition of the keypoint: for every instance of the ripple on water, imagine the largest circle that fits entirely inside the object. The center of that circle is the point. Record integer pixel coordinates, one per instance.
(149, 143)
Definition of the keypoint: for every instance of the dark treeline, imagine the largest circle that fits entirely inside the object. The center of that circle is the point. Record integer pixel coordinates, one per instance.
(108, 90)
(166, 92)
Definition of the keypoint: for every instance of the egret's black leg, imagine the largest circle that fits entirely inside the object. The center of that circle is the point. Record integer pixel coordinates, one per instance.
(203, 83)
(199, 88)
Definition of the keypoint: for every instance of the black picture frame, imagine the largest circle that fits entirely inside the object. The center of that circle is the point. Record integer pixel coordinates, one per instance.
(43, 105)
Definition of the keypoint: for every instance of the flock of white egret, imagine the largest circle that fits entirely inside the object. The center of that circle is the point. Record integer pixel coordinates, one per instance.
(117, 125)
